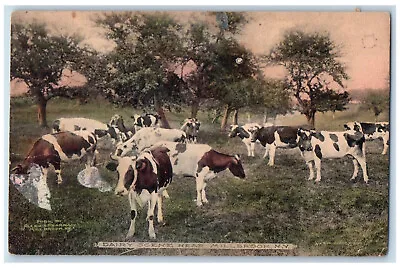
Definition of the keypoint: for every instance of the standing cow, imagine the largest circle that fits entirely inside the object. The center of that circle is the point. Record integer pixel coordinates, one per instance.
(244, 133)
(317, 145)
(272, 137)
(143, 179)
(372, 131)
(201, 162)
(123, 133)
(191, 127)
(145, 120)
(52, 149)
(146, 137)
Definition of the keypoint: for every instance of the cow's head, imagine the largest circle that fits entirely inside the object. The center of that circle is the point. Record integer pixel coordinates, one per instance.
(239, 131)
(126, 174)
(304, 139)
(254, 133)
(125, 148)
(236, 167)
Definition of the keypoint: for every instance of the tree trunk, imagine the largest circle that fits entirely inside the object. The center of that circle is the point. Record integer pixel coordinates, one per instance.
(235, 117)
(160, 112)
(194, 108)
(224, 121)
(311, 118)
(41, 104)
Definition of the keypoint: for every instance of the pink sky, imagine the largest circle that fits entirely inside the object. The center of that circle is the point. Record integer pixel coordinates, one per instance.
(364, 37)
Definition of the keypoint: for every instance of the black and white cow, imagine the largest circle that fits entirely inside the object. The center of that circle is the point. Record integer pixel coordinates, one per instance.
(318, 145)
(201, 162)
(146, 137)
(372, 131)
(79, 123)
(272, 137)
(143, 179)
(145, 120)
(244, 133)
(123, 133)
(52, 149)
(191, 127)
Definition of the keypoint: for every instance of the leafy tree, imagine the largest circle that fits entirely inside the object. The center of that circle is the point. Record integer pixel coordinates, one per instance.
(39, 59)
(142, 72)
(377, 101)
(314, 72)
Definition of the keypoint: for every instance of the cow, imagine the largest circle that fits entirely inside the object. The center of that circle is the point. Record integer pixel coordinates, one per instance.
(144, 178)
(52, 149)
(372, 131)
(201, 162)
(191, 127)
(244, 133)
(318, 145)
(123, 133)
(272, 137)
(145, 120)
(146, 137)
(79, 123)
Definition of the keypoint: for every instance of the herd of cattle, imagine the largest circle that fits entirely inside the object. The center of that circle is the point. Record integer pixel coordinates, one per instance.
(147, 156)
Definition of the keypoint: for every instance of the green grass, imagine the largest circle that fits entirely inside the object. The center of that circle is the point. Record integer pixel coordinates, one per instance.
(272, 205)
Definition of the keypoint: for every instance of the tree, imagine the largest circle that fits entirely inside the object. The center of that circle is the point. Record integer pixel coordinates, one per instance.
(314, 73)
(148, 46)
(377, 101)
(39, 59)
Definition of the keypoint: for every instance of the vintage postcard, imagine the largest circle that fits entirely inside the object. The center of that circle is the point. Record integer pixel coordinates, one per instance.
(199, 133)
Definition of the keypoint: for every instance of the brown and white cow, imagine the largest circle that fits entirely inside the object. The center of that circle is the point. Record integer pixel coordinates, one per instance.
(52, 149)
(201, 162)
(143, 179)
(191, 127)
(317, 145)
(372, 131)
(273, 137)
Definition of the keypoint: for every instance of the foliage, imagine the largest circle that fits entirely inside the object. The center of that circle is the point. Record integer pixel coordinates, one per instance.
(39, 59)
(141, 66)
(314, 72)
(377, 101)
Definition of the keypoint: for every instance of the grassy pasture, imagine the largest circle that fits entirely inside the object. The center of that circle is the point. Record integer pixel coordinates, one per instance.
(272, 205)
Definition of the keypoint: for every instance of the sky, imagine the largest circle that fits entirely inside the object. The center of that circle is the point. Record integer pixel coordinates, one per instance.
(363, 37)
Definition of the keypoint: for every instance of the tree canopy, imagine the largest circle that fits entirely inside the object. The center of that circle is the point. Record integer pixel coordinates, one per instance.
(315, 73)
(39, 59)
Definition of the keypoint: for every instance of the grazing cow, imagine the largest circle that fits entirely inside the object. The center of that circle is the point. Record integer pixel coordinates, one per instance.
(146, 137)
(191, 127)
(201, 162)
(244, 133)
(52, 149)
(145, 120)
(272, 137)
(372, 131)
(123, 133)
(143, 179)
(78, 123)
(316, 145)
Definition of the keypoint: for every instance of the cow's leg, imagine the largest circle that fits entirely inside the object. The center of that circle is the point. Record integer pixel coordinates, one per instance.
(57, 168)
(310, 167)
(266, 150)
(133, 205)
(385, 145)
(317, 162)
(199, 188)
(203, 193)
(361, 160)
(160, 217)
(252, 145)
(272, 150)
(150, 214)
(248, 147)
(355, 163)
